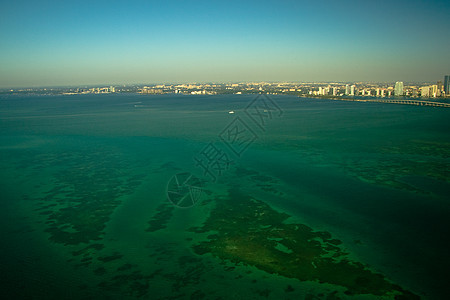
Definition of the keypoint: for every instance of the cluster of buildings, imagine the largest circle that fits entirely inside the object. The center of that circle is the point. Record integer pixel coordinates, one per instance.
(427, 91)
(305, 89)
(359, 89)
(96, 90)
(381, 90)
(193, 89)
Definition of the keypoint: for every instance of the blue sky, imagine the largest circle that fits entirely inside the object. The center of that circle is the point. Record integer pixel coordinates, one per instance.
(51, 43)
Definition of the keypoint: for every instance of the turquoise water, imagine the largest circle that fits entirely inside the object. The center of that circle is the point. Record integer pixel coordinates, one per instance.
(82, 176)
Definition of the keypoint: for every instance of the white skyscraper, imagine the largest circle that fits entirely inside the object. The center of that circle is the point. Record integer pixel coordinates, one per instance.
(347, 89)
(398, 90)
(434, 91)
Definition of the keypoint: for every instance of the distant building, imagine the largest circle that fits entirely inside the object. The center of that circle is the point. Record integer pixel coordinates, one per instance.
(434, 90)
(347, 89)
(352, 90)
(398, 90)
(447, 84)
(147, 90)
(425, 91)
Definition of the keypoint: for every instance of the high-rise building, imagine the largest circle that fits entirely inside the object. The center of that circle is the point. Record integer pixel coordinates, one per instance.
(425, 91)
(398, 90)
(347, 89)
(352, 90)
(434, 90)
(447, 84)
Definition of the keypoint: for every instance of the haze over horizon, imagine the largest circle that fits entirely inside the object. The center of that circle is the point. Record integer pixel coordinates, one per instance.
(54, 43)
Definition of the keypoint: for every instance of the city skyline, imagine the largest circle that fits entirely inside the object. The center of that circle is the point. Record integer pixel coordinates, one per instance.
(84, 43)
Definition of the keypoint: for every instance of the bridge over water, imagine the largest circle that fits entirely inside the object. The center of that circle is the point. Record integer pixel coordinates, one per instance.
(403, 101)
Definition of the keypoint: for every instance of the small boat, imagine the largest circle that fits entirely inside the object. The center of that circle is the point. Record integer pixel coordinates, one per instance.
(231, 112)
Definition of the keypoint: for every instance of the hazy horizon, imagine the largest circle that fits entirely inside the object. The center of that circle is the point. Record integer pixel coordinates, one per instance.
(83, 43)
(206, 83)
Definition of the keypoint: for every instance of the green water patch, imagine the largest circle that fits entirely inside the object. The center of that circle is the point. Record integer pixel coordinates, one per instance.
(392, 171)
(109, 258)
(88, 250)
(320, 296)
(247, 230)
(100, 271)
(181, 276)
(168, 166)
(82, 223)
(134, 283)
(420, 147)
(87, 187)
(84, 185)
(161, 218)
(125, 267)
(259, 180)
(389, 165)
